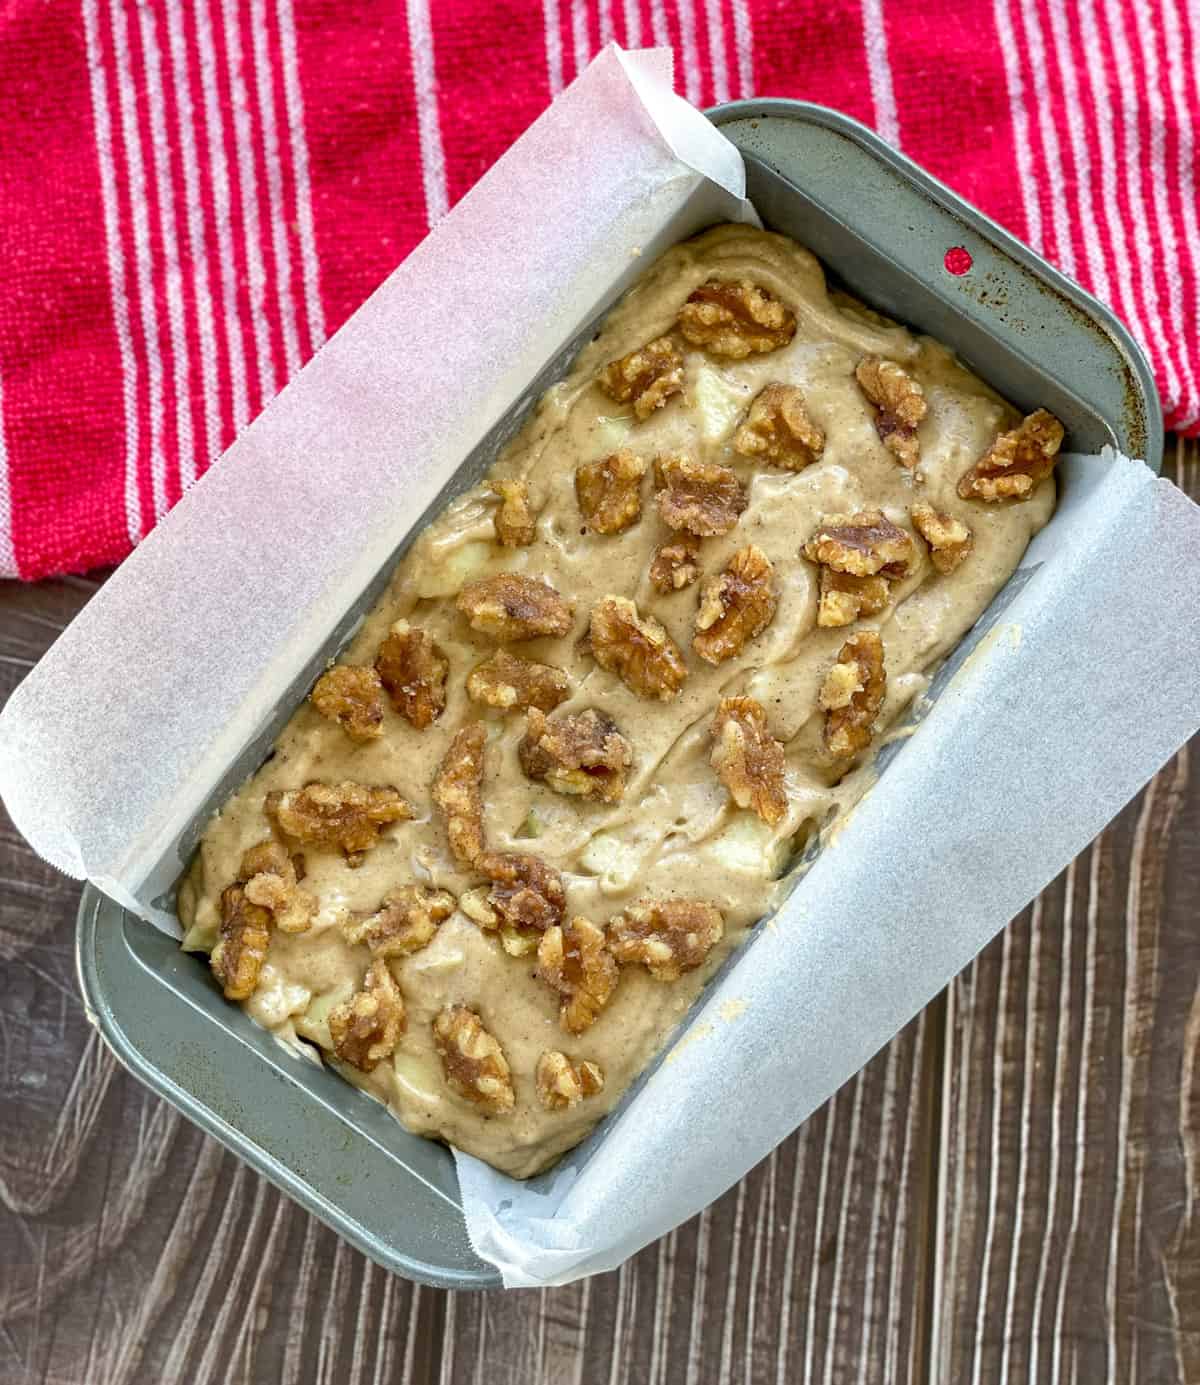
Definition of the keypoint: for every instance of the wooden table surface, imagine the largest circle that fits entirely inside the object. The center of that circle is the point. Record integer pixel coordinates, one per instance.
(1009, 1192)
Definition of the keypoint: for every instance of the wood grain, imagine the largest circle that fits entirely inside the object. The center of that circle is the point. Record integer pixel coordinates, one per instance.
(1007, 1192)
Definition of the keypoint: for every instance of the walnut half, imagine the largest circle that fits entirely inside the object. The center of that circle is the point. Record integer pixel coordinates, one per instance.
(748, 759)
(367, 1028)
(645, 378)
(778, 430)
(272, 880)
(352, 697)
(609, 492)
(562, 1084)
(852, 694)
(575, 961)
(413, 669)
(636, 648)
(514, 521)
(862, 544)
(407, 919)
(346, 815)
(582, 754)
(1017, 462)
(508, 681)
(735, 606)
(457, 791)
(675, 565)
(473, 1061)
(527, 894)
(845, 598)
(242, 942)
(736, 318)
(510, 607)
(667, 936)
(702, 498)
(948, 538)
(899, 406)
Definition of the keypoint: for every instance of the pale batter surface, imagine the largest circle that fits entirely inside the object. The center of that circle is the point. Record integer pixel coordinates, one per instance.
(674, 832)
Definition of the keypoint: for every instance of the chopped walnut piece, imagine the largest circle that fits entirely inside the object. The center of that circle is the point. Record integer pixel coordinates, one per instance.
(609, 492)
(473, 1061)
(576, 962)
(367, 1028)
(345, 815)
(703, 498)
(413, 669)
(735, 318)
(527, 895)
(636, 648)
(242, 942)
(457, 791)
(582, 754)
(647, 377)
(852, 694)
(900, 405)
(353, 697)
(516, 941)
(507, 681)
(406, 920)
(862, 544)
(510, 607)
(668, 936)
(777, 429)
(1017, 462)
(735, 606)
(948, 538)
(748, 759)
(272, 880)
(561, 1084)
(845, 598)
(675, 565)
(514, 521)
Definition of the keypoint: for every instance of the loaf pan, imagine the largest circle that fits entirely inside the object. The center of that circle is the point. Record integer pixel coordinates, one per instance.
(882, 227)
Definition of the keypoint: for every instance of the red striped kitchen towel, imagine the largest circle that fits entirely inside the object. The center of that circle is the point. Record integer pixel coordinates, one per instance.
(195, 193)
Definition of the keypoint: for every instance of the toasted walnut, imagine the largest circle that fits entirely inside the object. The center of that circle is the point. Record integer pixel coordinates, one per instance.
(413, 669)
(899, 403)
(735, 318)
(778, 430)
(345, 815)
(561, 1084)
(647, 377)
(748, 759)
(609, 492)
(515, 522)
(667, 936)
(845, 598)
(862, 544)
(507, 681)
(527, 895)
(735, 606)
(852, 694)
(516, 941)
(948, 538)
(457, 791)
(675, 565)
(272, 880)
(576, 962)
(582, 754)
(636, 648)
(1017, 462)
(353, 697)
(242, 942)
(510, 607)
(405, 921)
(473, 1061)
(367, 1028)
(703, 498)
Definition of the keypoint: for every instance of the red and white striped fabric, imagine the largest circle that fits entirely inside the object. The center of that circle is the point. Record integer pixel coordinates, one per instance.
(195, 193)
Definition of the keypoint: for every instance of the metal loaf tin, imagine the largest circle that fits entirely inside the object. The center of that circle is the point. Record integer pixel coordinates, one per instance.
(882, 227)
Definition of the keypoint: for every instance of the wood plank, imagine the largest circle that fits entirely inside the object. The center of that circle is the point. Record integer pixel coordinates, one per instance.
(810, 1270)
(1069, 1227)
